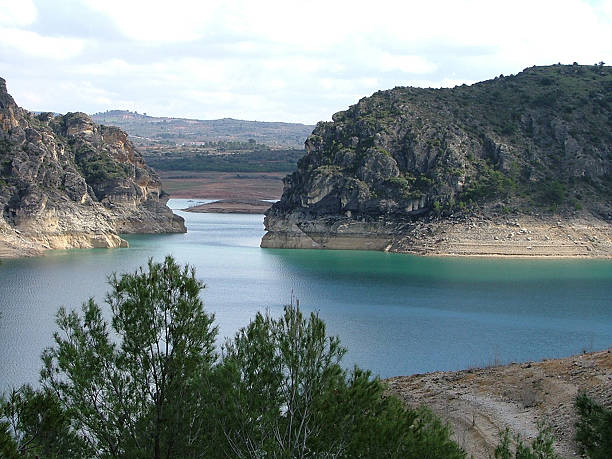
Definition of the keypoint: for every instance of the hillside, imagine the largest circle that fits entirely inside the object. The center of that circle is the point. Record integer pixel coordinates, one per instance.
(66, 182)
(481, 402)
(173, 131)
(398, 170)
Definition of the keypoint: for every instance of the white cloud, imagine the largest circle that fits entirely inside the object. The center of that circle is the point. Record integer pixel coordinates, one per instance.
(406, 64)
(158, 21)
(33, 44)
(17, 13)
(276, 59)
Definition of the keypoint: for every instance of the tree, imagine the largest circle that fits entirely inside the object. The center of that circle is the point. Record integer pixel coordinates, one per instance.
(286, 395)
(541, 447)
(139, 391)
(35, 424)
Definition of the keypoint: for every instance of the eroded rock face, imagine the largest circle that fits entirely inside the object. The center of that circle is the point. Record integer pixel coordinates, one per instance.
(537, 143)
(67, 182)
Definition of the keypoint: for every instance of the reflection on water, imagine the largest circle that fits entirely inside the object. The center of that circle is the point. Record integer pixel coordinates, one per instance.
(397, 314)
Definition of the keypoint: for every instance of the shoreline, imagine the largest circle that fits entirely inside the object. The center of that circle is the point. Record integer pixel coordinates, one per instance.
(532, 237)
(478, 403)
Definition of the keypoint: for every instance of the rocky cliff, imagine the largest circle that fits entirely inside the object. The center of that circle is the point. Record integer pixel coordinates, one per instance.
(67, 182)
(417, 170)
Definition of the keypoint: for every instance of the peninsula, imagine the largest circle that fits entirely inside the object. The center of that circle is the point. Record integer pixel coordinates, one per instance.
(519, 165)
(66, 182)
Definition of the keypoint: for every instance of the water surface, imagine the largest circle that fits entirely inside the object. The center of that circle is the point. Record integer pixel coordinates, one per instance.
(397, 314)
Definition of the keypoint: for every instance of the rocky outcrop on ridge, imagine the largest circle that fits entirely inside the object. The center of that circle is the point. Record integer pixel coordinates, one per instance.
(398, 169)
(67, 182)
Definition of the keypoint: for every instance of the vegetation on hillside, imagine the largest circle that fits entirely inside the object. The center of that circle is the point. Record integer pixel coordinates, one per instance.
(538, 141)
(151, 384)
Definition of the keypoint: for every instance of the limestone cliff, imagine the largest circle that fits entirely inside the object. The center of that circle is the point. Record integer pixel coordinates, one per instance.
(395, 168)
(67, 182)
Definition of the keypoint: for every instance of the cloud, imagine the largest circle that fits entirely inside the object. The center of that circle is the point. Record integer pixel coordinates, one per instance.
(156, 21)
(17, 13)
(279, 60)
(406, 64)
(33, 44)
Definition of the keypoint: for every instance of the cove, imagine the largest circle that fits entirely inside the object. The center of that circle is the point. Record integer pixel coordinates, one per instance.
(396, 314)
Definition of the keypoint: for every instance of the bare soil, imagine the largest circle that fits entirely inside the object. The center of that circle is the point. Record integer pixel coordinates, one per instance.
(223, 185)
(479, 403)
(233, 206)
(521, 236)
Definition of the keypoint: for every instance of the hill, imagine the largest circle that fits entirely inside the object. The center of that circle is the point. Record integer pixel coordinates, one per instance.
(67, 182)
(400, 169)
(177, 131)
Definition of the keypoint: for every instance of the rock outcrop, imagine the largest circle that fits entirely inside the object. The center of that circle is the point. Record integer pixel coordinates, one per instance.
(67, 182)
(408, 161)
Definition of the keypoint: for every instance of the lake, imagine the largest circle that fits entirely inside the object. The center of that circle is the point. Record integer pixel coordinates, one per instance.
(396, 314)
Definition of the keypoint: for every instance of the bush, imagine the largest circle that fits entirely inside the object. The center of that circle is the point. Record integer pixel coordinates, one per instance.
(540, 448)
(594, 428)
(151, 385)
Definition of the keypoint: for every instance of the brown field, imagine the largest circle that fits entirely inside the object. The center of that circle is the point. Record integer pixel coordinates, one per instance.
(223, 185)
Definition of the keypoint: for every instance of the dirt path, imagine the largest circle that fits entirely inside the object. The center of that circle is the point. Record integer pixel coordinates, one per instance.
(479, 403)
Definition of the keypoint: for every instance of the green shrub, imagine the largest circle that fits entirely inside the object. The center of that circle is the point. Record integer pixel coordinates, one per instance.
(594, 428)
(540, 448)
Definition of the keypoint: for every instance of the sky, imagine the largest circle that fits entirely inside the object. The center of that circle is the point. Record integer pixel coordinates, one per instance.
(277, 60)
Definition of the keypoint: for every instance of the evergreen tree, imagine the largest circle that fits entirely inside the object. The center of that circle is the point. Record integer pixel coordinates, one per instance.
(140, 391)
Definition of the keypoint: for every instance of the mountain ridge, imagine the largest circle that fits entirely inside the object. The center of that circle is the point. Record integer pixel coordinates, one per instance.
(184, 130)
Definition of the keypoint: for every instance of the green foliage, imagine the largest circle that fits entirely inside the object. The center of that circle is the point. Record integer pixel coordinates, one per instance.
(286, 395)
(100, 167)
(140, 396)
(151, 385)
(540, 448)
(594, 428)
(490, 183)
(33, 423)
(252, 161)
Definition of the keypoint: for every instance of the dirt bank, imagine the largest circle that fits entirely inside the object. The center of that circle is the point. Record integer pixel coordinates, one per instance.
(478, 403)
(233, 206)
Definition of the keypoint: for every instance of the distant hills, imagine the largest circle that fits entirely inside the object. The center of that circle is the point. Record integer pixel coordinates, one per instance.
(146, 129)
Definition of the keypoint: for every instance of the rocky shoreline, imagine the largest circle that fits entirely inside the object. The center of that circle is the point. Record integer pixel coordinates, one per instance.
(480, 402)
(520, 236)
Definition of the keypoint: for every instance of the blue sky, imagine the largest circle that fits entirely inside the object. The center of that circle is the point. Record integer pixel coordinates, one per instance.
(277, 60)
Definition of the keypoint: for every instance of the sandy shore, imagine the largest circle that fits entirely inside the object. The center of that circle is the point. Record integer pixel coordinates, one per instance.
(233, 206)
(478, 403)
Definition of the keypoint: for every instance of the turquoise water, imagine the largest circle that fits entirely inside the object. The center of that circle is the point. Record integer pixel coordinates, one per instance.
(397, 314)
